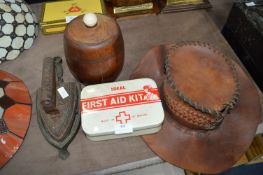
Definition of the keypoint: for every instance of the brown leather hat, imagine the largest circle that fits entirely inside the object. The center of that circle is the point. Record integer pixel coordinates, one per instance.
(212, 109)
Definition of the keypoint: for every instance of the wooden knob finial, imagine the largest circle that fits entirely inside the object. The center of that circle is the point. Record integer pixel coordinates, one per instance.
(90, 19)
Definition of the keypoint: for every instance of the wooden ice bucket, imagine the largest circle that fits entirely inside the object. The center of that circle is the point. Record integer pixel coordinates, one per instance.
(94, 48)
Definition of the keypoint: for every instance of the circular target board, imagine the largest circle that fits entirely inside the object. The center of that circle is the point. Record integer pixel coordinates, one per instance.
(15, 113)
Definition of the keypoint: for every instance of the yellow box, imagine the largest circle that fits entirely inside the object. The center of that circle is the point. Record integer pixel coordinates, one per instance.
(54, 13)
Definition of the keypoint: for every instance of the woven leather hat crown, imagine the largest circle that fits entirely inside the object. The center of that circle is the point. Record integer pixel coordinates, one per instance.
(199, 90)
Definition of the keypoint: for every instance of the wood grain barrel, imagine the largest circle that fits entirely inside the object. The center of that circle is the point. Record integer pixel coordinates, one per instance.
(94, 54)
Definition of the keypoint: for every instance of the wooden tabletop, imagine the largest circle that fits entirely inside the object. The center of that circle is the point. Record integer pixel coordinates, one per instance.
(36, 156)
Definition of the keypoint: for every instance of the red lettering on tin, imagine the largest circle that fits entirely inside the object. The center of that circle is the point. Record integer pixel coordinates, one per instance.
(118, 100)
(117, 88)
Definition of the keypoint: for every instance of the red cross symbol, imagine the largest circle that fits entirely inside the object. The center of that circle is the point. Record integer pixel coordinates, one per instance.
(123, 117)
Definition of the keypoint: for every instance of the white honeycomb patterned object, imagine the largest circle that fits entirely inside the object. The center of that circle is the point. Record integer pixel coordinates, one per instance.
(18, 28)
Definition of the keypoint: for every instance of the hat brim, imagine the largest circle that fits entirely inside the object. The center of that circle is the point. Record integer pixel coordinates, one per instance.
(202, 151)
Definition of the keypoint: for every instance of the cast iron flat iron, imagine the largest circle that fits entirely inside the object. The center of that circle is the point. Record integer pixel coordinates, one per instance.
(57, 113)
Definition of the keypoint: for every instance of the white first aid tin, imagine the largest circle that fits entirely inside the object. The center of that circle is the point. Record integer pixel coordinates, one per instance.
(121, 109)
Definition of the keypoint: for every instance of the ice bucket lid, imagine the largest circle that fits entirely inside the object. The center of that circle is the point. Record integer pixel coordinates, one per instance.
(92, 29)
